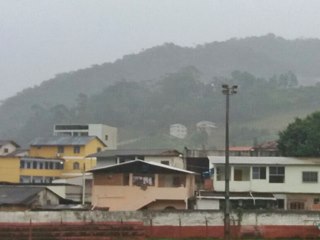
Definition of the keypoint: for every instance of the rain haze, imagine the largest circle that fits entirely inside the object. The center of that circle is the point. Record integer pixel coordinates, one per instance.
(40, 38)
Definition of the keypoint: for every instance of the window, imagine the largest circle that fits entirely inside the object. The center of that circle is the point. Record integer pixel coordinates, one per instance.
(316, 200)
(60, 149)
(76, 149)
(76, 166)
(297, 205)
(25, 179)
(221, 173)
(59, 165)
(276, 174)
(98, 149)
(165, 162)
(106, 137)
(259, 173)
(6, 150)
(34, 165)
(241, 173)
(310, 177)
(50, 165)
(143, 179)
(28, 164)
(22, 164)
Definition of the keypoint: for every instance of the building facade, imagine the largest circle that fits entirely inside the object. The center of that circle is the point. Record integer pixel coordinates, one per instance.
(138, 185)
(294, 182)
(71, 150)
(178, 130)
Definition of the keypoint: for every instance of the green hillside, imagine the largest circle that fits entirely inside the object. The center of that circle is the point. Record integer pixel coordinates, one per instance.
(142, 94)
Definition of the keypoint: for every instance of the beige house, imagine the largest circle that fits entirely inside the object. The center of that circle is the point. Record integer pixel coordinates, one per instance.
(137, 185)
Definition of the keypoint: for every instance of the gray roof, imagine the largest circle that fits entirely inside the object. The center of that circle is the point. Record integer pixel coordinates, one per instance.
(3, 142)
(137, 152)
(62, 141)
(18, 194)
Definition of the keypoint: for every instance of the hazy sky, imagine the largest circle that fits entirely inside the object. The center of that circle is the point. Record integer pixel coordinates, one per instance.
(40, 38)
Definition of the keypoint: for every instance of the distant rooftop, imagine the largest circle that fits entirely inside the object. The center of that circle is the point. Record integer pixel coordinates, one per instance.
(137, 152)
(264, 160)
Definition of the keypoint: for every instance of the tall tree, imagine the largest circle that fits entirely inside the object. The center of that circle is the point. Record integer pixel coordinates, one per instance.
(302, 137)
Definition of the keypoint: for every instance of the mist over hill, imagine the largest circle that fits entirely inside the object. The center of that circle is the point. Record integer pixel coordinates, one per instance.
(167, 84)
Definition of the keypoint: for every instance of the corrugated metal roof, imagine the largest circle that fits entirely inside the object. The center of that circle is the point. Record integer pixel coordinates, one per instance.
(18, 194)
(61, 140)
(136, 152)
(264, 160)
(130, 163)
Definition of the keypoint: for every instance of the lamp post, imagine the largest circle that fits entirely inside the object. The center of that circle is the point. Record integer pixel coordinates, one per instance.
(227, 90)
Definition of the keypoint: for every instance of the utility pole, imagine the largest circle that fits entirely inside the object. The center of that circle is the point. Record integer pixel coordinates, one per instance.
(226, 90)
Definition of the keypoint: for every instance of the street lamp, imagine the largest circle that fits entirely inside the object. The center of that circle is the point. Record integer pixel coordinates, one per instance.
(227, 90)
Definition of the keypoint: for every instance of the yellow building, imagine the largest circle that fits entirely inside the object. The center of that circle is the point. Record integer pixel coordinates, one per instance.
(9, 169)
(71, 150)
(40, 170)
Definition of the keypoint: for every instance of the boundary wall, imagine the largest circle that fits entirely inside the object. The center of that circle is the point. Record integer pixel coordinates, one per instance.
(184, 224)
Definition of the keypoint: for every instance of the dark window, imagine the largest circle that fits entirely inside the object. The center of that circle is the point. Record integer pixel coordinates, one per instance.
(259, 173)
(76, 149)
(34, 165)
(40, 165)
(46, 165)
(106, 137)
(280, 203)
(276, 174)
(297, 205)
(310, 177)
(22, 164)
(6, 150)
(165, 162)
(58, 165)
(28, 164)
(76, 166)
(316, 200)
(98, 149)
(51, 165)
(60, 149)
(71, 127)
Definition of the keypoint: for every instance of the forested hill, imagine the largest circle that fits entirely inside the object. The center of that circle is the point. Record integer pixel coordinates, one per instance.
(262, 56)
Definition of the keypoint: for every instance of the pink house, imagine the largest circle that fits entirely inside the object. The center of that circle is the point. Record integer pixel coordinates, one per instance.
(137, 185)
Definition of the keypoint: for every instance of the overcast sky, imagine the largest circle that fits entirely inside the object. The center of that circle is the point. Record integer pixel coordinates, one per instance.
(40, 38)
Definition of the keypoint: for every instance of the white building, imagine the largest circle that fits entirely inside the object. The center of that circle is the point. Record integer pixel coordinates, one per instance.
(293, 182)
(108, 134)
(206, 126)
(7, 147)
(178, 130)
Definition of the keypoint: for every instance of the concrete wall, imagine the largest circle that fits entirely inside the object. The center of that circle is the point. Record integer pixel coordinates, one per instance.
(188, 223)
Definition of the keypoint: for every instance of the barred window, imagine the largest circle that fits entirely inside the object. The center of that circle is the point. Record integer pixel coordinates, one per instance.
(310, 177)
